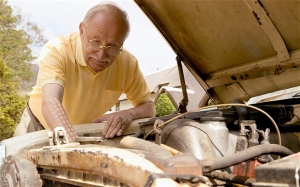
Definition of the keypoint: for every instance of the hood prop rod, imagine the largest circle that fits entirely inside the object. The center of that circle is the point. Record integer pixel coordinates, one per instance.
(184, 102)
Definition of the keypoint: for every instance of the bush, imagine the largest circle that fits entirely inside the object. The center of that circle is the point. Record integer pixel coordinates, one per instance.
(164, 106)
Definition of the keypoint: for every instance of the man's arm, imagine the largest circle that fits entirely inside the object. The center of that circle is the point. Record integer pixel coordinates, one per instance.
(117, 122)
(53, 111)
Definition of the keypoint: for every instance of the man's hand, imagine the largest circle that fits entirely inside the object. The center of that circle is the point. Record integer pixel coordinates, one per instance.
(116, 123)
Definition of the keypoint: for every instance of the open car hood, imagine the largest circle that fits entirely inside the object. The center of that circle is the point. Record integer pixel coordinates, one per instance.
(236, 49)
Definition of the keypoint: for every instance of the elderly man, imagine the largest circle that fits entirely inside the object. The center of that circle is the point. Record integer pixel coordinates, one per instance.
(81, 77)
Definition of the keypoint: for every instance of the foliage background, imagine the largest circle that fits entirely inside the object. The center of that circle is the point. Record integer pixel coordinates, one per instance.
(164, 105)
(18, 36)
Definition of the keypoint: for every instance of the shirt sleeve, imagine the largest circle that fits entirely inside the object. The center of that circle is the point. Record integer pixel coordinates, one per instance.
(51, 62)
(137, 91)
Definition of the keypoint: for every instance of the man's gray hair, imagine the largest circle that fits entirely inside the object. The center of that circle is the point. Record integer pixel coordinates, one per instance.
(109, 8)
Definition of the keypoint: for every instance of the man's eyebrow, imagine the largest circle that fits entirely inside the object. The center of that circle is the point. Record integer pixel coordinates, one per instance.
(111, 43)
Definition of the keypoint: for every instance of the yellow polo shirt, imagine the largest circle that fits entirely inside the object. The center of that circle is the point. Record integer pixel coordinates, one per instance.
(87, 95)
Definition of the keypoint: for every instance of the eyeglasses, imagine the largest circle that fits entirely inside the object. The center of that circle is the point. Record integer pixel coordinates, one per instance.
(96, 45)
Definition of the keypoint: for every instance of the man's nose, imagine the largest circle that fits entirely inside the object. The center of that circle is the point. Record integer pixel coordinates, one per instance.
(101, 53)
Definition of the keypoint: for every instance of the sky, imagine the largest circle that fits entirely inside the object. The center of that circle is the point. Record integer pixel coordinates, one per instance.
(63, 17)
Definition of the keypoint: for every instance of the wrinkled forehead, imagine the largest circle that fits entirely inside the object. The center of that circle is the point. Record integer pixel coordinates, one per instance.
(111, 12)
(109, 23)
(106, 26)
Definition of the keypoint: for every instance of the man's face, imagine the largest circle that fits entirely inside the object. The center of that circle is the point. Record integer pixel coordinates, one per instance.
(102, 39)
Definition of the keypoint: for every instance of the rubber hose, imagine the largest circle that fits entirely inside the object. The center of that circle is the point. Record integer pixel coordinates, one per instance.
(236, 158)
(243, 112)
(140, 144)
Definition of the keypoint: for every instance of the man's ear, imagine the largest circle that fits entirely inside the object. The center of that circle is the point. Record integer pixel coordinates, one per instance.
(81, 28)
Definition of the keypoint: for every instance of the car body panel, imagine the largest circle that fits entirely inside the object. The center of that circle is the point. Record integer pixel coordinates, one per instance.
(236, 49)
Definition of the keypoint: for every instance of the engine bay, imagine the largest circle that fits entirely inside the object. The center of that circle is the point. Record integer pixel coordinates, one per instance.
(219, 145)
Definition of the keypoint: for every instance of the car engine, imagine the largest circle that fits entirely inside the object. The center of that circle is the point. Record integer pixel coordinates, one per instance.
(218, 145)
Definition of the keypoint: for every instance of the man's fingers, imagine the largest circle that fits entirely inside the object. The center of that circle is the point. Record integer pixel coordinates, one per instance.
(121, 130)
(112, 127)
(115, 125)
(115, 130)
(105, 129)
(98, 120)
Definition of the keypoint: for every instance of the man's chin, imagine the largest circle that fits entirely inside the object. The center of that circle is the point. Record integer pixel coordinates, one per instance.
(98, 66)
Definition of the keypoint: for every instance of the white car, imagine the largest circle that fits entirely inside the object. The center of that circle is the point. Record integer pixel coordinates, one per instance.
(237, 50)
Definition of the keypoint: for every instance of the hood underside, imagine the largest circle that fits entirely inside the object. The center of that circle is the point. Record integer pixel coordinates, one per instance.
(236, 49)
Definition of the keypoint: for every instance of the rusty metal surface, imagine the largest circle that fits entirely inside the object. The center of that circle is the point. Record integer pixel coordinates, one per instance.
(182, 164)
(224, 176)
(64, 178)
(20, 173)
(70, 159)
(118, 164)
(246, 168)
(38, 139)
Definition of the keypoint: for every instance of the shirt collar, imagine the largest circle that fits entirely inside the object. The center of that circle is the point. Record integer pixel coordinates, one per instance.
(79, 53)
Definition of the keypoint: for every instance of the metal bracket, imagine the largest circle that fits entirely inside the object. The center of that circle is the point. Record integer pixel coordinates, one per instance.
(157, 131)
(59, 136)
(182, 105)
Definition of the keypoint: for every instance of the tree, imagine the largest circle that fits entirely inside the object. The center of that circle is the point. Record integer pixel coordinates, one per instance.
(11, 103)
(17, 37)
(164, 105)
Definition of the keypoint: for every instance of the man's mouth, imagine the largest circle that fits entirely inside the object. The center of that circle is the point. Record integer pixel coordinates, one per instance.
(101, 61)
